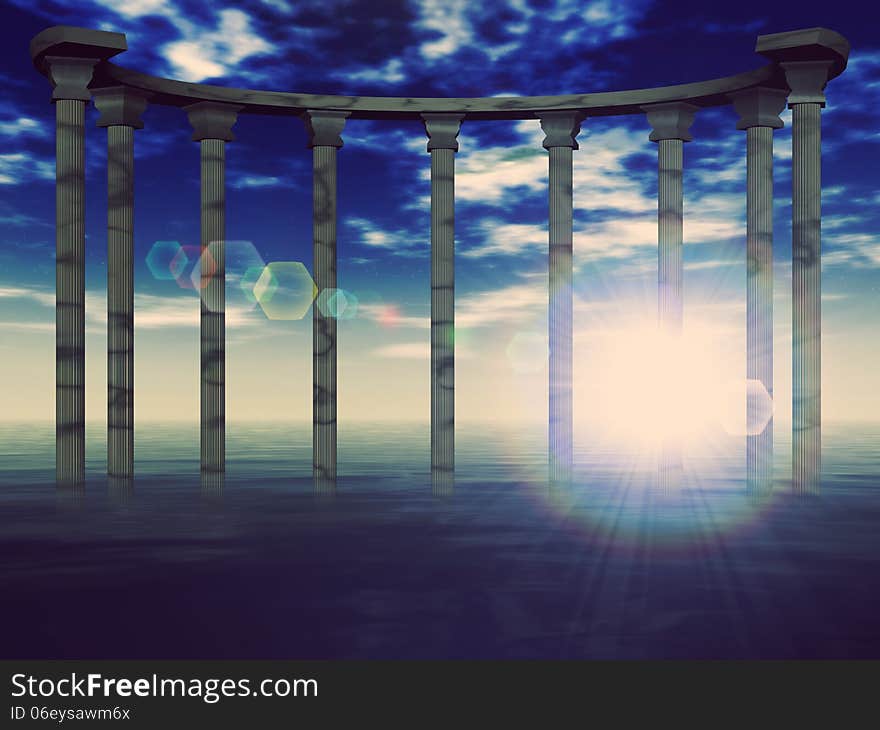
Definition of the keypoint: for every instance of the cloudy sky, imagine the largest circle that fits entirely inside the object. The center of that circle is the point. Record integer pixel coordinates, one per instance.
(437, 48)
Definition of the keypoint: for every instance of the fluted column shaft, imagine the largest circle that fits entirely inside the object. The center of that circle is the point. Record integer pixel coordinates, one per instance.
(442, 310)
(561, 130)
(324, 252)
(212, 327)
(120, 301)
(806, 80)
(70, 78)
(120, 114)
(669, 129)
(759, 297)
(806, 324)
(670, 266)
(560, 315)
(442, 130)
(759, 110)
(70, 319)
(324, 129)
(212, 125)
(806, 293)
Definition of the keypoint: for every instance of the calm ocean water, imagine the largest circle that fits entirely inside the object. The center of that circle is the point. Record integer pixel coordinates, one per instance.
(503, 567)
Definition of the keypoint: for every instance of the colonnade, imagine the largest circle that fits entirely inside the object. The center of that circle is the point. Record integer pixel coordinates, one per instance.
(76, 61)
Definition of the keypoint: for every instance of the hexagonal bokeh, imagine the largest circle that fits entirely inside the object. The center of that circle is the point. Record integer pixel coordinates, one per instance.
(163, 262)
(186, 262)
(249, 280)
(243, 266)
(747, 408)
(285, 290)
(528, 352)
(337, 303)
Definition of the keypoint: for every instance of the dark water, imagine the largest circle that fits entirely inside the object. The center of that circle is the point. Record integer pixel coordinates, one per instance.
(503, 567)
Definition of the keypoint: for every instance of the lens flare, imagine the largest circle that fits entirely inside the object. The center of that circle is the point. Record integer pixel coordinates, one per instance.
(285, 290)
(163, 261)
(239, 257)
(186, 263)
(337, 303)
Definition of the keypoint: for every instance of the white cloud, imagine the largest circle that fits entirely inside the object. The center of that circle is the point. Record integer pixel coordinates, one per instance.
(27, 326)
(852, 249)
(514, 304)
(405, 350)
(151, 311)
(257, 181)
(17, 168)
(448, 18)
(22, 126)
(508, 238)
(204, 49)
(40, 296)
(205, 53)
(391, 72)
(397, 242)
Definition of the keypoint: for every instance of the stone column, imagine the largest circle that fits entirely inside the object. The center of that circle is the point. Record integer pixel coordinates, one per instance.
(212, 124)
(121, 111)
(68, 57)
(561, 130)
(325, 138)
(758, 111)
(70, 78)
(806, 80)
(442, 130)
(669, 125)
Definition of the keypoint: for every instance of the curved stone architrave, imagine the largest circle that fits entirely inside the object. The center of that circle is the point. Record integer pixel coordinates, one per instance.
(821, 42)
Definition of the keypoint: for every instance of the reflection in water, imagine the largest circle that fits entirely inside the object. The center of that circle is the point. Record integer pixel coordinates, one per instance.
(608, 567)
(120, 489)
(212, 483)
(442, 483)
(325, 487)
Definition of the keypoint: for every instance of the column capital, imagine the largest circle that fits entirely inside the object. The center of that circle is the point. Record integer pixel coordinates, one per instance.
(807, 80)
(212, 120)
(561, 128)
(759, 107)
(442, 130)
(807, 44)
(64, 48)
(69, 76)
(324, 127)
(120, 106)
(670, 121)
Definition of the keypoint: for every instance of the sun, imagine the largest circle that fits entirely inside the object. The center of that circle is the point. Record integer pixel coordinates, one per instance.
(645, 386)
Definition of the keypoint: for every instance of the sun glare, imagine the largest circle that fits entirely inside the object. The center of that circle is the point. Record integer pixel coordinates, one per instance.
(649, 386)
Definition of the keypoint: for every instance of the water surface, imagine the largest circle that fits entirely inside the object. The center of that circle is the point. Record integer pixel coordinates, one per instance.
(386, 567)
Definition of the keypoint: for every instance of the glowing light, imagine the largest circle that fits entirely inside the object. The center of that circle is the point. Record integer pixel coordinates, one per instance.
(651, 386)
(285, 290)
(747, 408)
(528, 352)
(389, 315)
(163, 260)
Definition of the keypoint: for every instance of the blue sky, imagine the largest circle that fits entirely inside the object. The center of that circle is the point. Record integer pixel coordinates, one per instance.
(442, 48)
